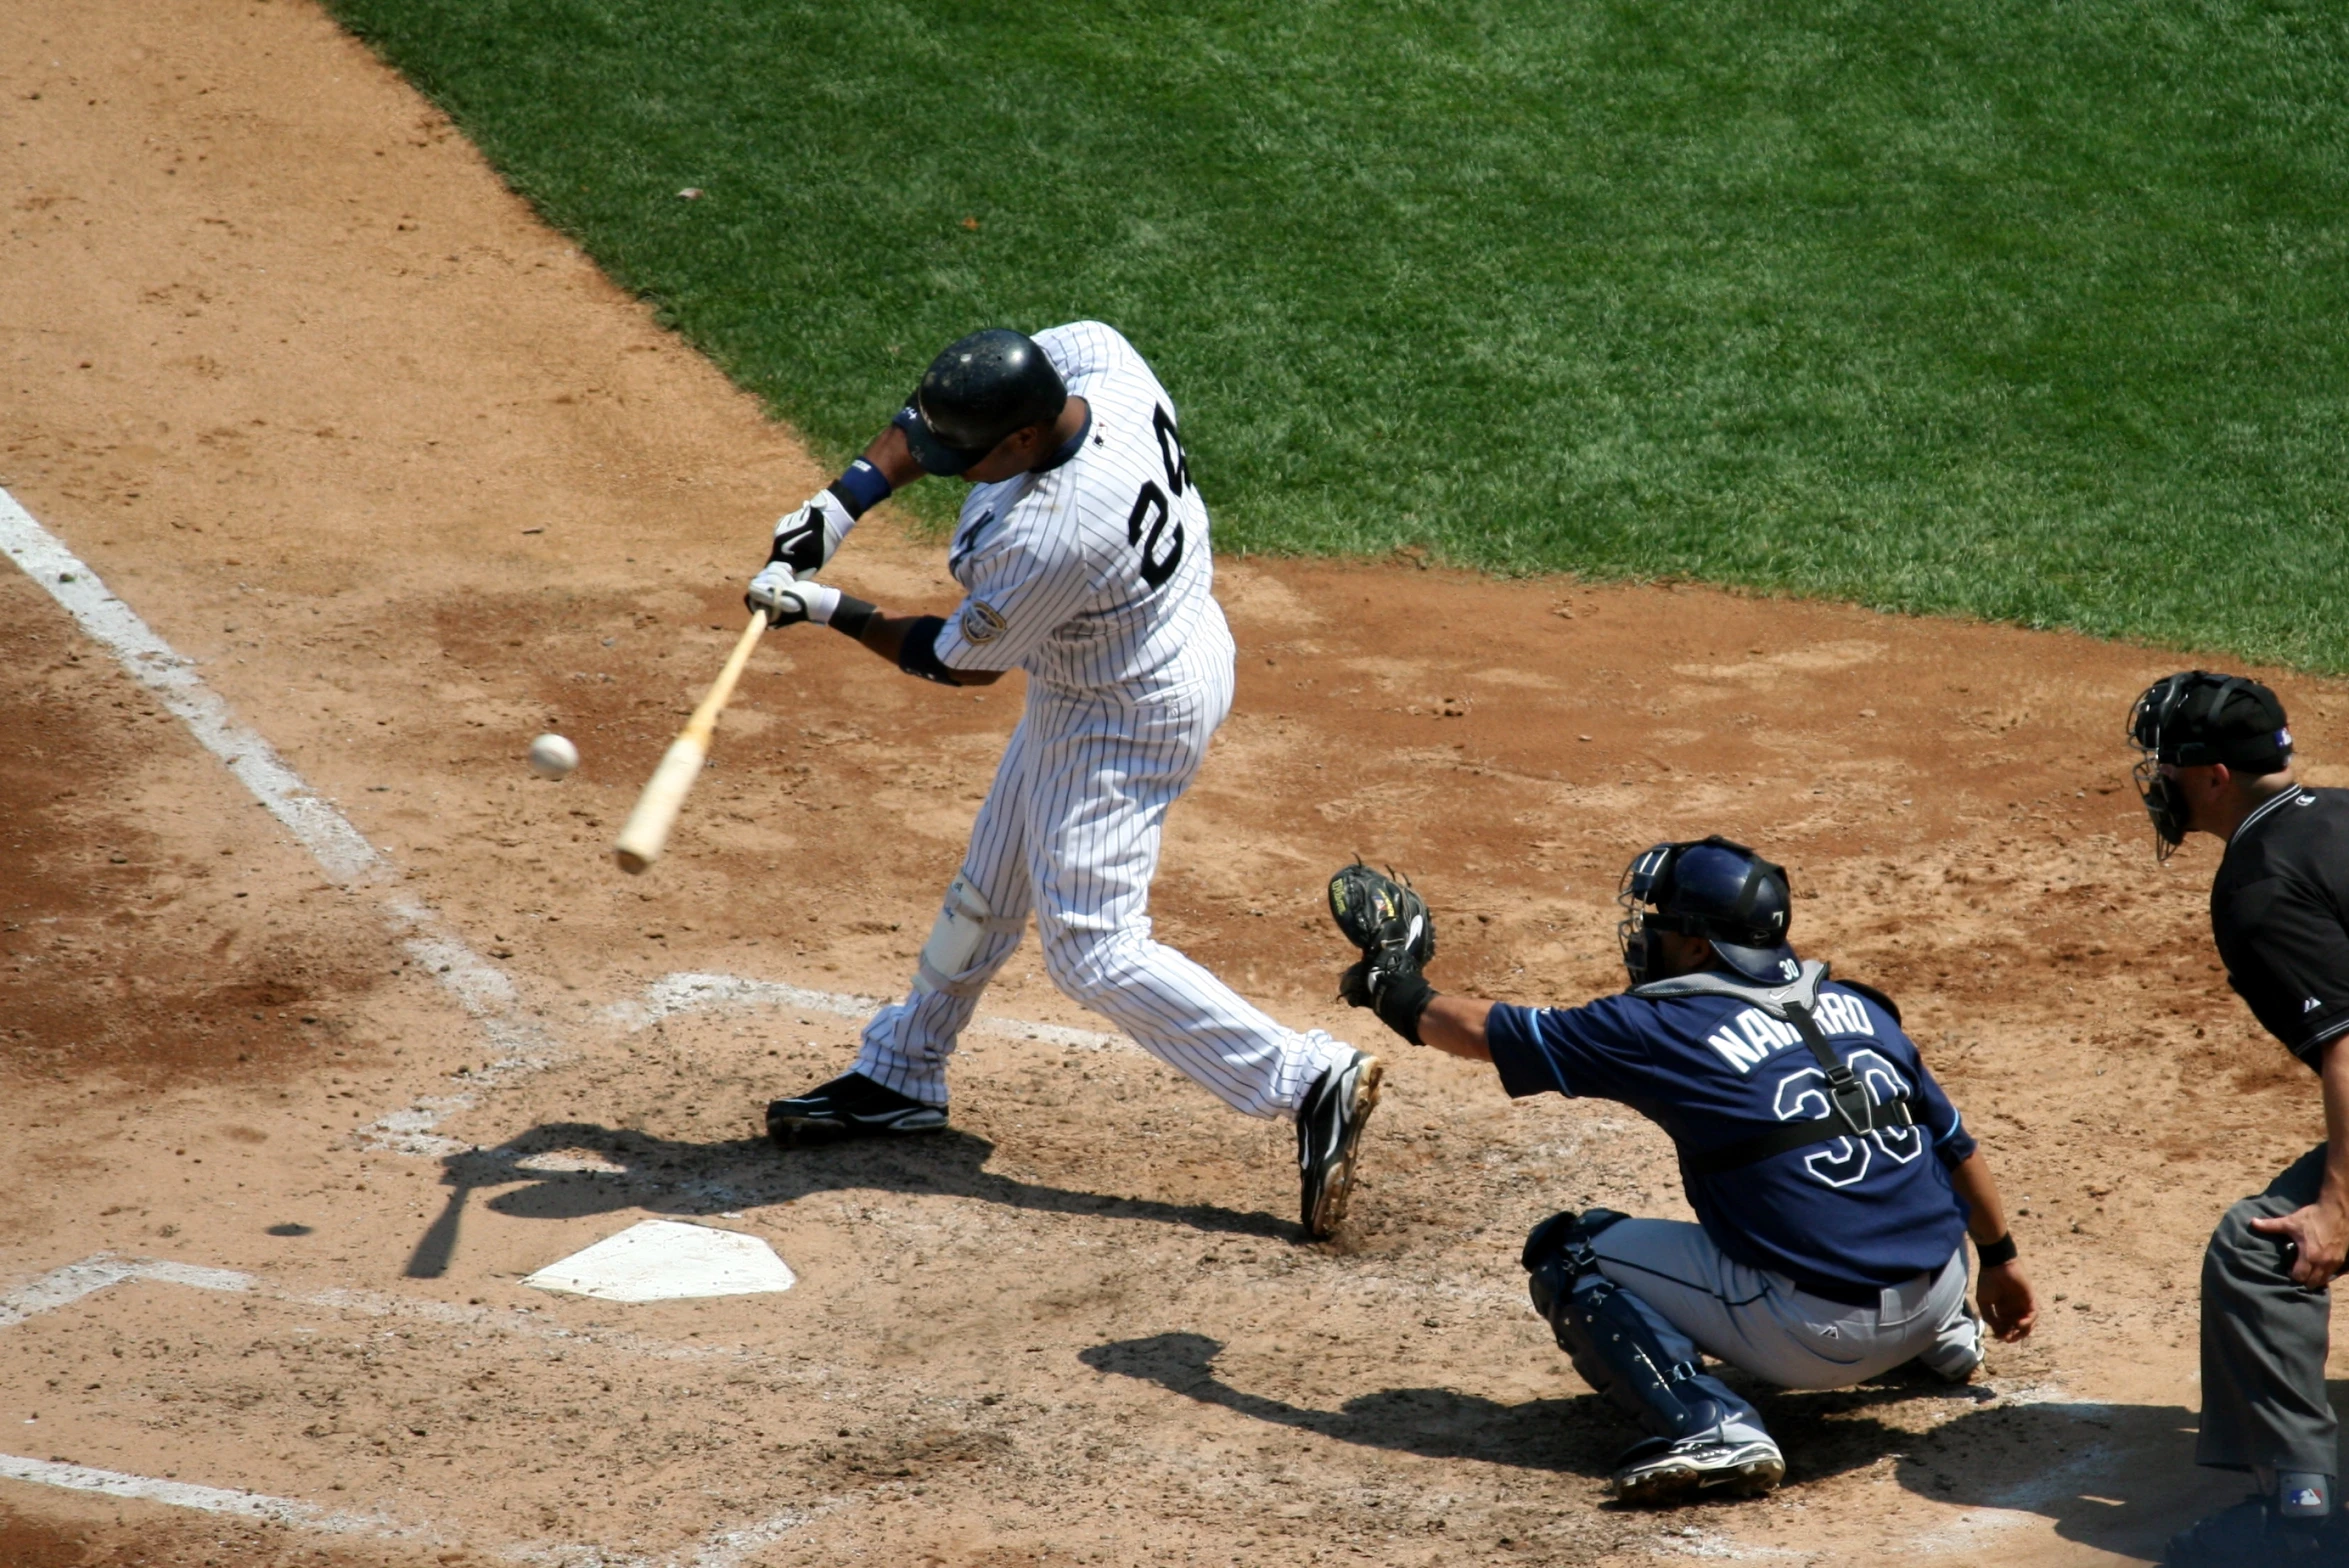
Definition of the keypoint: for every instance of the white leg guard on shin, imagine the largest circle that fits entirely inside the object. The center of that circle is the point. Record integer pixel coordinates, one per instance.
(961, 926)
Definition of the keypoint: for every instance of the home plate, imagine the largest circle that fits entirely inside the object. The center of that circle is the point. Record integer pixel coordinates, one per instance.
(662, 1260)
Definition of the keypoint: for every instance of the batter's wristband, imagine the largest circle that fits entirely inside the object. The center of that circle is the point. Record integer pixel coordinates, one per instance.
(1992, 1254)
(852, 615)
(861, 488)
(1402, 1002)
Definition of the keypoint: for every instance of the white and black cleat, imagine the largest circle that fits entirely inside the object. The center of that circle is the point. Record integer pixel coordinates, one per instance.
(850, 1106)
(1661, 1473)
(1329, 1126)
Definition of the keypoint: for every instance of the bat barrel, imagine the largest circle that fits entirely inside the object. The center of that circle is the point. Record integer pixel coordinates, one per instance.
(646, 831)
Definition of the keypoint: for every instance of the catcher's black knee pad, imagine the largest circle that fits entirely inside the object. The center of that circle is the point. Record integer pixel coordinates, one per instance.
(1557, 1252)
(1603, 1334)
(1564, 1230)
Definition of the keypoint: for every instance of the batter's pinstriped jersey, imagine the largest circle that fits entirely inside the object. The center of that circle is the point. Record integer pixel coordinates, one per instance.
(1094, 577)
(1097, 573)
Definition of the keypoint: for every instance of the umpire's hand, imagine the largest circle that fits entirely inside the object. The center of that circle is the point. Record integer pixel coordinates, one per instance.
(2319, 1235)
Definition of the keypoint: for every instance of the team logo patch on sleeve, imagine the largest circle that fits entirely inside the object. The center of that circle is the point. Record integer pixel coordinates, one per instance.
(981, 621)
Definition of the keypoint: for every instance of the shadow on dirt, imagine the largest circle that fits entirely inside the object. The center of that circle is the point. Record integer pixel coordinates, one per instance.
(570, 1169)
(2118, 1477)
(1578, 1434)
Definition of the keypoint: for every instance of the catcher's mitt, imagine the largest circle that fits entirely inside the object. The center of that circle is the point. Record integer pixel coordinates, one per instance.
(1381, 914)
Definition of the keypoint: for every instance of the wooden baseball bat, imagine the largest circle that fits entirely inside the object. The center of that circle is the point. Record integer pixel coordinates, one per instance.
(647, 828)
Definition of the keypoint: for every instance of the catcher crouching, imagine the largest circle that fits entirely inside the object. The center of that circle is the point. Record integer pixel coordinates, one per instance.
(1832, 1180)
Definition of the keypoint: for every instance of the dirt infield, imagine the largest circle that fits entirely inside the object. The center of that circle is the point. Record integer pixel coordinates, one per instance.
(318, 399)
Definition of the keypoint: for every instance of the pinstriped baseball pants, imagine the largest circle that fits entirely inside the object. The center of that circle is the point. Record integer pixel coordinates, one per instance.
(1070, 832)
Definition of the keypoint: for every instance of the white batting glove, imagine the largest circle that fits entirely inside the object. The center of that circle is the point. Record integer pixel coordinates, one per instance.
(789, 601)
(807, 538)
(769, 591)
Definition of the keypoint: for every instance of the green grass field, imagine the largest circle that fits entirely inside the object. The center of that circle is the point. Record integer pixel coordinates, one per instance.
(2021, 308)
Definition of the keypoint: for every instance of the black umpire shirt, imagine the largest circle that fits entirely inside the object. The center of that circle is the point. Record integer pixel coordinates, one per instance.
(2279, 909)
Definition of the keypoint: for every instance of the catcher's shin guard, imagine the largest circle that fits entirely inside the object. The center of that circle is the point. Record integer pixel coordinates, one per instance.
(1602, 1332)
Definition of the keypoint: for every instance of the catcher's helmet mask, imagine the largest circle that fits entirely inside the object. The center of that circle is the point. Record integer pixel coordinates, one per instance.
(1714, 889)
(2195, 719)
(981, 389)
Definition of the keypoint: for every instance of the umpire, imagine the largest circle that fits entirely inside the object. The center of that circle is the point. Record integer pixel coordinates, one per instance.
(2216, 758)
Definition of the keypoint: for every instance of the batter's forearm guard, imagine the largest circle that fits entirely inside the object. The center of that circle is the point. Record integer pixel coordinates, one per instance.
(852, 615)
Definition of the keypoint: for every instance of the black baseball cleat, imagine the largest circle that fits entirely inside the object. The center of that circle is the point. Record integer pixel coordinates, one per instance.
(2254, 1534)
(850, 1106)
(1329, 1126)
(1660, 1473)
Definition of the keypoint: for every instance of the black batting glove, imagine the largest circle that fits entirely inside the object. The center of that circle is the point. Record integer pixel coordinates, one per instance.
(1389, 983)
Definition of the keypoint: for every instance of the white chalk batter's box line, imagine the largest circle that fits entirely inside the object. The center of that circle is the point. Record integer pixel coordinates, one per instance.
(76, 1281)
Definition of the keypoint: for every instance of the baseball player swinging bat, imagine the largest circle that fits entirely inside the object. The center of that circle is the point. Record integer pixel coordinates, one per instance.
(646, 831)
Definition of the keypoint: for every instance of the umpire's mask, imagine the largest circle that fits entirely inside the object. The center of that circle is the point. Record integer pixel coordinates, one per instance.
(2191, 720)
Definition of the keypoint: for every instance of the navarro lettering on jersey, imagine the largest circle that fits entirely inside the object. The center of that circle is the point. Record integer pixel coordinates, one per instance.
(1753, 1036)
(981, 622)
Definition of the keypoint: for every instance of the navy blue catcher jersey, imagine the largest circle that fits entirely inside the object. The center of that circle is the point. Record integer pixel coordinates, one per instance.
(1841, 1218)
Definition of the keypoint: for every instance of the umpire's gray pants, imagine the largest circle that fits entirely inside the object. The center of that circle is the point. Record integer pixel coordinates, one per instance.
(1696, 1297)
(2264, 1341)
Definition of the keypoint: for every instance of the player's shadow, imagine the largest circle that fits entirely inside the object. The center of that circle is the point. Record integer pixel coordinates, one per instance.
(2120, 1477)
(1578, 1434)
(615, 1169)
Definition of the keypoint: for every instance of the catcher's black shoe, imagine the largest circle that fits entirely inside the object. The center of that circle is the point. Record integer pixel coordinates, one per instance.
(1660, 1472)
(2254, 1534)
(850, 1106)
(1329, 1125)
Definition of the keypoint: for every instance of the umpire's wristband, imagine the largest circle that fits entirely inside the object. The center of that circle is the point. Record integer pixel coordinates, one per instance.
(1402, 1002)
(1992, 1254)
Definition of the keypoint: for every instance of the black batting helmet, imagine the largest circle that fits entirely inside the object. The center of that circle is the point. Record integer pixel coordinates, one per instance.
(981, 389)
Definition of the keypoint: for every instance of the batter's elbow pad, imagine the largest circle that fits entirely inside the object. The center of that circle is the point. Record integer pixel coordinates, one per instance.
(1601, 1330)
(918, 654)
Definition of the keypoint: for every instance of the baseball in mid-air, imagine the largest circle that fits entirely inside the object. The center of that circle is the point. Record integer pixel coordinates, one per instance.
(552, 757)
